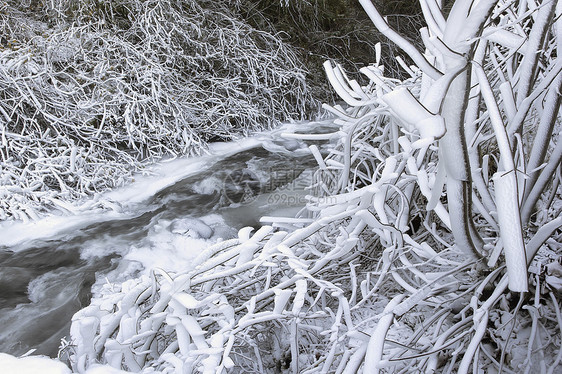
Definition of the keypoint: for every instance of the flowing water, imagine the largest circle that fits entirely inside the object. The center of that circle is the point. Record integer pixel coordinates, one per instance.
(45, 280)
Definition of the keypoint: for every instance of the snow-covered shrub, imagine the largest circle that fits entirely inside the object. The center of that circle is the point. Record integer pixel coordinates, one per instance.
(392, 275)
(334, 29)
(89, 89)
(477, 117)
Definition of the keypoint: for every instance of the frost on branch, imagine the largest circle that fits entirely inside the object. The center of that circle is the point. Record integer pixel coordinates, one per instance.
(91, 89)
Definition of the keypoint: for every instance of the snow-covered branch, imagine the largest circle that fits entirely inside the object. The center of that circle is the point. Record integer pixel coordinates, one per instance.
(106, 86)
(391, 274)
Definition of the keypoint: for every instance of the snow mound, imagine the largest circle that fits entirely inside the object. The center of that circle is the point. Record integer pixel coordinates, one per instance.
(32, 365)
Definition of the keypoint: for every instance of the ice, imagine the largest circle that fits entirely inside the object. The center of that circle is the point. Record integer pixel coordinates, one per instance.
(207, 186)
(285, 145)
(166, 174)
(192, 227)
(14, 233)
(170, 245)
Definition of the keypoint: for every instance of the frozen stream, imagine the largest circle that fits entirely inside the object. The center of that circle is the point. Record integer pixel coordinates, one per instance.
(48, 270)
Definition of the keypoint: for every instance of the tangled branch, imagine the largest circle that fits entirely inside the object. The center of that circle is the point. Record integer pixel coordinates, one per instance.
(105, 86)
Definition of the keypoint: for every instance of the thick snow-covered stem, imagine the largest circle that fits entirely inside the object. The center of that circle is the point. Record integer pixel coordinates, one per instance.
(455, 155)
(464, 23)
(471, 121)
(507, 198)
(510, 230)
(376, 342)
(506, 159)
(544, 131)
(517, 121)
(537, 36)
(543, 180)
(435, 21)
(548, 119)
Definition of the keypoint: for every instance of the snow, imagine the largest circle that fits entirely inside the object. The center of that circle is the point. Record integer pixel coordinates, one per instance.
(192, 227)
(171, 245)
(172, 251)
(207, 186)
(127, 198)
(167, 173)
(122, 201)
(45, 365)
(104, 369)
(32, 365)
